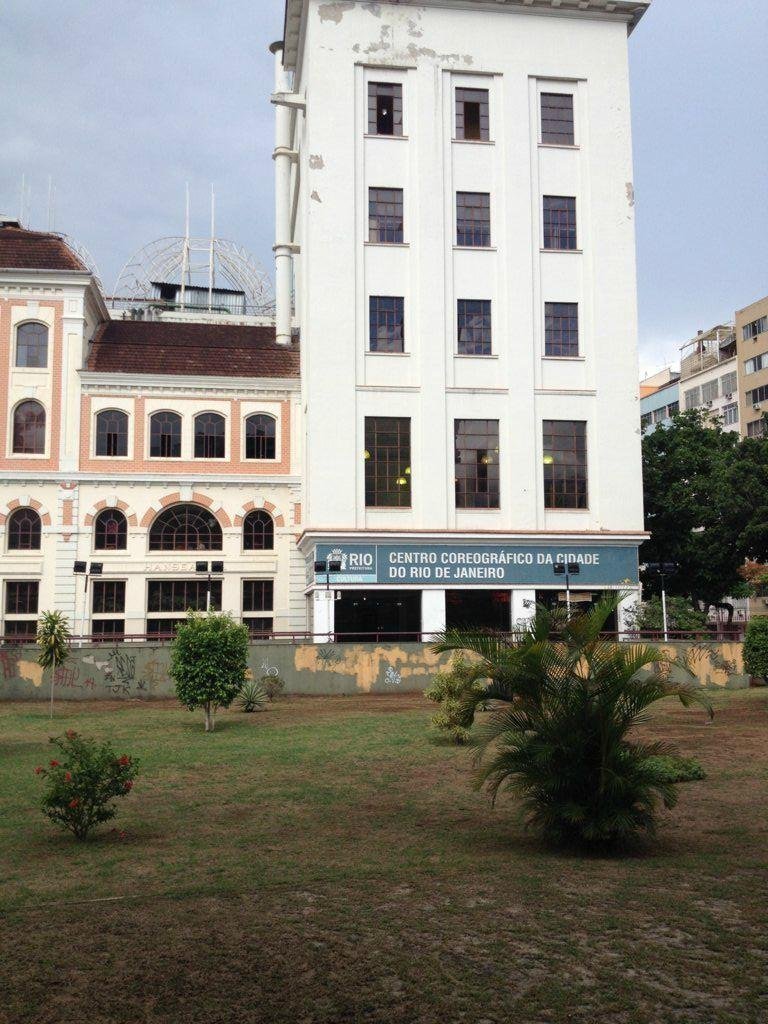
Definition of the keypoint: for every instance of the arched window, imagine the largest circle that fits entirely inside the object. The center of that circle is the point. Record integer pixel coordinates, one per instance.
(165, 435)
(112, 433)
(24, 530)
(185, 528)
(32, 345)
(260, 437)
(258, 531)
(29, 429)
(110, 531)
(209, 436)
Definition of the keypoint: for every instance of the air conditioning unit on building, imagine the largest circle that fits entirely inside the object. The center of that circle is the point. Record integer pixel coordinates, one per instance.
(756, 406)
(729, 396)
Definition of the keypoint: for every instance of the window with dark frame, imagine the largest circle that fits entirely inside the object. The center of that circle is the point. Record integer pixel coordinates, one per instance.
(387, 462)
(258, 531)
(32, 346)
(565, 464)
(21, 629)
(559, 222)
(473, 219)
(112, 433)
(385, 108)
(210, 431)
(103, 629)
(385, 215)
(165, 435)
(476, 463)
(108, 597)
(182, 595)
(474, 327)
(472, 123)
(29, 429)
(557, 119)
(258, 597)
(24, 530)
(21, 597)
(260, 433)
(185, 527)
(561, 329)
(386, 327)
(110, 531)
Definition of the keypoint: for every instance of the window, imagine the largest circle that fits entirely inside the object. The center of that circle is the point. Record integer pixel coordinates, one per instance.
(21, 597)
(108, 597)
(24, 530)
(561, 329)
(646, 420)
(730, 414)
(472, 114)
(387, 462)
(565, 464)
(209, 436)
(757, 395)
(385, 108)
(107, 629)
(559, 222)
(385, 215)
(673, 409)
(185, 528)
(165, 435)
(110, 531)
(473, 219)
(754, 328)
(112, 433)
(258, 597)
(476, 446)
(32, 346)
(557, 119)
(29, 429)
(728, 383)
(183, 595)
(753, 365)
(260, 437)
(692, 398)
(386, 331)
(709, 391)
(258, 531)
(756, 428)
(659, 415)
(474, 327)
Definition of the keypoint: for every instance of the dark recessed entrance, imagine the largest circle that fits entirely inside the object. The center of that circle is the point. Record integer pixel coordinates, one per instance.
(371, 615)
(581, 601)
(487, 609)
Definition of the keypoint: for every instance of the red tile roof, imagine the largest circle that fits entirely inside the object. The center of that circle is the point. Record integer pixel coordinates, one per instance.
(189, 349)
(35, 250)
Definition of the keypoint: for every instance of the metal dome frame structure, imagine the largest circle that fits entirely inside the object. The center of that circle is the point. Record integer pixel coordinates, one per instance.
(183, 260)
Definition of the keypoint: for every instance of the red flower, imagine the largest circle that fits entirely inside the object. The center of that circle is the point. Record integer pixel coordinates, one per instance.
(54, 764)
(73, 803)
(67, 776)
(128, 786)
(39, 769)
(124, 760)
(123, 835)
(70, 734)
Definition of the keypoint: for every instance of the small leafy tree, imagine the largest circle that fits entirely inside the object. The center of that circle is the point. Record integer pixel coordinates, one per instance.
(561, 740)
(450, 690)
(681, 616)
(53, 638)
(209, 662)
(83, 782)
(756, 647)
(273, 686)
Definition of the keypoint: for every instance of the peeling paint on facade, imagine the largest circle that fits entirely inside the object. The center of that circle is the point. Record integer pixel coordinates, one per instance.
(334, 12)
(316, 162)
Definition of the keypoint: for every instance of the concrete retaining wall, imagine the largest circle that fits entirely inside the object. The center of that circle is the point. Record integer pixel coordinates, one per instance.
(140, 671)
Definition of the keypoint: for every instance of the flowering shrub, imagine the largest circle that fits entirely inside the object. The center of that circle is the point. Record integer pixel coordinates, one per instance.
(83, 782)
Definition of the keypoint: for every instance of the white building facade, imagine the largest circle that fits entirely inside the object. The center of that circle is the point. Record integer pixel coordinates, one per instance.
(709, 377)
(454, 188)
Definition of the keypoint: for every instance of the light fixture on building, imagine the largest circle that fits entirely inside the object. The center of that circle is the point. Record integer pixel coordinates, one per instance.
(401, 481)
(366, 455)
(549, 460)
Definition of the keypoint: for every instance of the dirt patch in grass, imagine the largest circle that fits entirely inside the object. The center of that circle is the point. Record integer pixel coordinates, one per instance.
(325, 862)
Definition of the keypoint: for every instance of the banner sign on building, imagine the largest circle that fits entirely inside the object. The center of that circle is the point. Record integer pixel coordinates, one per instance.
(464, 565)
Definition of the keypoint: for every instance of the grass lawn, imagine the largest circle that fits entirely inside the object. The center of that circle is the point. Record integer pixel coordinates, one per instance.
(326, 862)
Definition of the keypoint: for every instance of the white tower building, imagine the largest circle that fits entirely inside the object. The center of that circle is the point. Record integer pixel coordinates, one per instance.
(455, 191)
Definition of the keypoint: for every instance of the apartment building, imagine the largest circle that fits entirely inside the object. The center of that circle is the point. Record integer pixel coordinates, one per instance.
(146, 466)
(454, 192)
(752, 351)
(709, 375)
(659, 399)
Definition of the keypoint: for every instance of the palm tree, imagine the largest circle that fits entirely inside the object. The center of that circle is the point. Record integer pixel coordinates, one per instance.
(558, 737)
(53, 638)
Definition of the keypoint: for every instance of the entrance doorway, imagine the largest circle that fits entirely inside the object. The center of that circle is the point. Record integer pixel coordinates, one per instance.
(372, 615)
(483, 609)
(581, 601)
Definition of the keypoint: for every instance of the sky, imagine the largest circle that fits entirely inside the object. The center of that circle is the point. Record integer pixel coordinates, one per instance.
(120, 103)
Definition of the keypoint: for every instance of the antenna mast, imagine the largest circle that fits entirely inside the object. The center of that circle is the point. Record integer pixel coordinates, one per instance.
(185, 253)
(211, 254)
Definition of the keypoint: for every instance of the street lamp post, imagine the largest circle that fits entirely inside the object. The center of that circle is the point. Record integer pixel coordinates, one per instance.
(211, 569)
(662, 570)
(567, 569)
(83, 569)
(327, 566)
